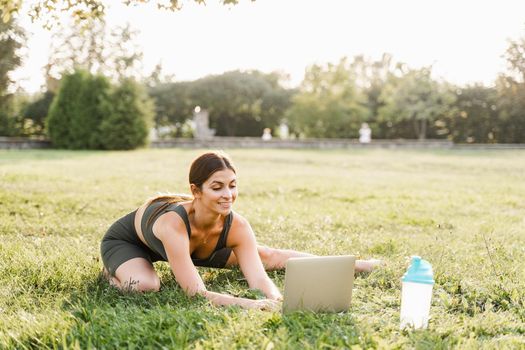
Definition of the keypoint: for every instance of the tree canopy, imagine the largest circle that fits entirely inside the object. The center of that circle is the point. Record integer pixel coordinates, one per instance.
(332, 101)
(475, 115)
(12, 38)
(81, 104)
(511, 95)
(90, 113)
(415, 97)
(98, 49)
(82, 10)
(127, 126)
(329, 102)
(239, 103)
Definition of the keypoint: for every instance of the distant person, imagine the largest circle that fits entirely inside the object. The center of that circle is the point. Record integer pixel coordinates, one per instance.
(365, 133)
(198, 230)
(267, 134)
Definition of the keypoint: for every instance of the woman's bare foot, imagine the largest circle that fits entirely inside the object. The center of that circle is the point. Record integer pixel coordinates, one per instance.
(112, 280)
(367, 265)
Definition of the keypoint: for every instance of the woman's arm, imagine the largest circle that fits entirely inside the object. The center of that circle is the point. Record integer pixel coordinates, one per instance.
(225, 299)
(177, 246)
(242, 240)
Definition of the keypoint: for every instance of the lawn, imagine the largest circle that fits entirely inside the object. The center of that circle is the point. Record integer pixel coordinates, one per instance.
(464, 211)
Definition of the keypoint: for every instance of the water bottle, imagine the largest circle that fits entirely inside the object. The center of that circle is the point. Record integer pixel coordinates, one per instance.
(416, 294)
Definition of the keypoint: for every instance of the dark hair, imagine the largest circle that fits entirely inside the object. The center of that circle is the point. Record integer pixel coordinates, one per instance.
(201, 169)
(206, 165)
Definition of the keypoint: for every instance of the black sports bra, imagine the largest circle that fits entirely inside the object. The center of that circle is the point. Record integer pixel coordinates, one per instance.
(156, 244)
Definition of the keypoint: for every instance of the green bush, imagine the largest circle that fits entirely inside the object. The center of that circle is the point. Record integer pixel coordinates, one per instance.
(7, 123)
(76, 112)
(62, 108)
(96, 105)
(128, 125)
(89, 113)
(12, 122)
(36, 111)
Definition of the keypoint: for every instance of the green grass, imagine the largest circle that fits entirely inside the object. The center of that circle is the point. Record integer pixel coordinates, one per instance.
(464, 211)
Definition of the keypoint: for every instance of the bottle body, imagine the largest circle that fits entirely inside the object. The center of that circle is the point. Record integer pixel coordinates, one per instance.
(415, 304)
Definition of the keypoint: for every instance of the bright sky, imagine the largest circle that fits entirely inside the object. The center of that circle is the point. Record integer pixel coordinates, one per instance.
(464, 40)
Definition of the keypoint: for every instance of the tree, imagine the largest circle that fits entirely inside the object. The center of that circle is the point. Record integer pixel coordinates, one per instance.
(511, 95)
(173, 105)
(127, 126)
(89, 113)
(96, 49)
(157, 77)
(12, 38)
(240, 103)
(371, 78)
(414, 97)
(65, 106)
(474, 117)
(36, 111)
(515, 56)
(77, 111)
(82, 10)
(329, 102)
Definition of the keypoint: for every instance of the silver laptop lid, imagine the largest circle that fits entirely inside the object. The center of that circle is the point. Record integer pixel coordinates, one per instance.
(319, 283)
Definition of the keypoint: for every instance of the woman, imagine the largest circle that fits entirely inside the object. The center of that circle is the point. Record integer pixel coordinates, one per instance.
(195, 231)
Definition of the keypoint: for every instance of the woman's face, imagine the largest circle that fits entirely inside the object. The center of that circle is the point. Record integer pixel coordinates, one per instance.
(219, 191)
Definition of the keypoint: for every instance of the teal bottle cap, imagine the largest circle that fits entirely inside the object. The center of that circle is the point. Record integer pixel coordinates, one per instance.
(420, 271)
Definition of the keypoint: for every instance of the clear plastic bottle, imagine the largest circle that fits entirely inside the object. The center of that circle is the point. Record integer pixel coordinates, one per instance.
(416, 294)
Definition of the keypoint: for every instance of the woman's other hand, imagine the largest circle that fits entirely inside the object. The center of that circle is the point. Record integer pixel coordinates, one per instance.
(276, 297)
(367, 265)
(265, 304)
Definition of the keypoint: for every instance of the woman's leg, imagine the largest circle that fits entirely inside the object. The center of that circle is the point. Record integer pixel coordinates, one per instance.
(275, 259)
(272, 258)
(137, 275)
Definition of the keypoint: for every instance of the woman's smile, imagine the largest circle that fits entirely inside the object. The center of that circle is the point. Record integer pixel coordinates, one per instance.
(225, 205)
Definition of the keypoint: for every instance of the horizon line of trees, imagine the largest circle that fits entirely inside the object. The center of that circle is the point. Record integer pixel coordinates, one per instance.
(334, 99)
(396, 100)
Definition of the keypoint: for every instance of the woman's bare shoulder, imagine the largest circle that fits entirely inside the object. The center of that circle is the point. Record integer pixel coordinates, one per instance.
(238, 221)
(240, 228)
(168, 224)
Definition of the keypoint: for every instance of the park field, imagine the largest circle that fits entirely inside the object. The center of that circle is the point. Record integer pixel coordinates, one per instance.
(464, 211)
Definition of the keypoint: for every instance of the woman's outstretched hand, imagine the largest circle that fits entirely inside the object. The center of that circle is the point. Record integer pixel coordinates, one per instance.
(275, 295)
(367, 265)
(220, 299)
(265, 304)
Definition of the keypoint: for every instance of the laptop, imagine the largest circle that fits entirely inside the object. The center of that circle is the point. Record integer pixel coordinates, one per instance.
(320, 284)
